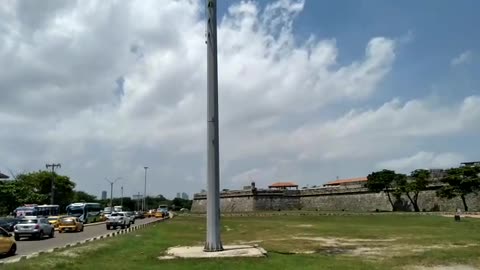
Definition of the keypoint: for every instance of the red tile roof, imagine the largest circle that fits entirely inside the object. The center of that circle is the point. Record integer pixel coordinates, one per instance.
(283, 184)
(344, 181)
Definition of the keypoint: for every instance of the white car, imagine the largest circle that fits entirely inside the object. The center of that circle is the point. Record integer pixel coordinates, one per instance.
(118, 219)
(33, 227)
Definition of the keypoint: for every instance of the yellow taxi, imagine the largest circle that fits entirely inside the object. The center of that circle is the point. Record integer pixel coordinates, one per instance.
(159, 214)
(7, 243)
(54, 220)
(71, 224)
(151, 213)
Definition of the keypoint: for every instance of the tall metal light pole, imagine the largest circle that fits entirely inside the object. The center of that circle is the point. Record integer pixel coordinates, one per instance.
(213, 242)
(111, 191)
(144, 204)
(52, 187)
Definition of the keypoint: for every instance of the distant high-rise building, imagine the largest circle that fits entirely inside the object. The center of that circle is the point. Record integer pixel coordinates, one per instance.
(184, 196)
(178, 195)
(104, 195)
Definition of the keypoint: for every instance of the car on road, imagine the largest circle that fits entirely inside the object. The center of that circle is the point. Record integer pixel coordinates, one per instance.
(70, 224)
(118, 219)
(151, 213)
(54, 220)
(131, 215)
(33, 227)
(8, 245)
(161, 213)
(139, 215)
(8, 223)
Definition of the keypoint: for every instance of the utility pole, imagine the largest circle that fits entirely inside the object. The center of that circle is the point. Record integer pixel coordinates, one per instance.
(111, 191)
(52, 187)
(138, 202)
(144, 204)
(213, 242)
(121, 198)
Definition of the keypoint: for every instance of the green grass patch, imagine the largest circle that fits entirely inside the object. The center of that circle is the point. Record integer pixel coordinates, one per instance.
(293, 242)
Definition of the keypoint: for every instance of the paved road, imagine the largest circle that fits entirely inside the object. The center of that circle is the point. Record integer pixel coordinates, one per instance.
(26, 247)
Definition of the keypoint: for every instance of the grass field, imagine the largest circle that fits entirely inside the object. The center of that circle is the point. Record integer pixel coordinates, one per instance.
(383, 241)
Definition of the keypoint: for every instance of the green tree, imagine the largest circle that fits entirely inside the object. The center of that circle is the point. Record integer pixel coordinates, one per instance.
(412, 186)
(14, 193)
(460, 182)
(179, 203)
(40, 183)
(386, 181)
(82, 196)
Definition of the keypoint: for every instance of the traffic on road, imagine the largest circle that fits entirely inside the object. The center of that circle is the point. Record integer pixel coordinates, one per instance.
(34, 228)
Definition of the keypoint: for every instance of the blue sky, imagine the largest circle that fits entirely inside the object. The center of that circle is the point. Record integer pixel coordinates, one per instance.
(431, 34)
(439, 31)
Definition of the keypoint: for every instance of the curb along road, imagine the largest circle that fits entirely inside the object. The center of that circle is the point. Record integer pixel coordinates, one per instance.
(108, 235)
(94, 224)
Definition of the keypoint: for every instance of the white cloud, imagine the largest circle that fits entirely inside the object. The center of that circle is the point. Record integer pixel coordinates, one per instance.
(62, 101)
(462, 58)
(423, 160)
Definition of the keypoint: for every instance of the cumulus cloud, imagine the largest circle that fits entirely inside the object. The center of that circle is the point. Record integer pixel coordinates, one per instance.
(462, 58)
(423, 160)
(107, 87)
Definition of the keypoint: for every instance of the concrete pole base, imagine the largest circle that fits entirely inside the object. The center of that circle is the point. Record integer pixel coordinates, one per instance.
(198, 252)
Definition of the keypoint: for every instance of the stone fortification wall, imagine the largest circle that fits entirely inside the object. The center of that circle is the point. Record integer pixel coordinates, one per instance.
(266, 200)
(328, 199)
(231, 201)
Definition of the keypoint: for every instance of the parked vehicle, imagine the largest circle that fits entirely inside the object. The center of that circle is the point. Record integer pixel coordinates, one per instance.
(33, 228)
(8, 245)
(119, 219)
(70, 224)
(8, 223)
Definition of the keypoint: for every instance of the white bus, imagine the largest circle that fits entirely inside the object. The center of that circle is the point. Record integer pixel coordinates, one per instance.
(86, 212)
(37, 210)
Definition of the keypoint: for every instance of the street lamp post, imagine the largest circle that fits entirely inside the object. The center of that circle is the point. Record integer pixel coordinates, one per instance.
(213, 242)
(111, 191)
(144, 206)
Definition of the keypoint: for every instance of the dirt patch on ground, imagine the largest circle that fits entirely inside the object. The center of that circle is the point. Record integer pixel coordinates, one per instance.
(302, 226)
(365, 248)
(77, 251)
(463, 216)
(248, 242)
(338, 240)
(442, 267)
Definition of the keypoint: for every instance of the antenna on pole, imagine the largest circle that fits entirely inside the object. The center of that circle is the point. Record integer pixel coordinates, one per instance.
(213, 242)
